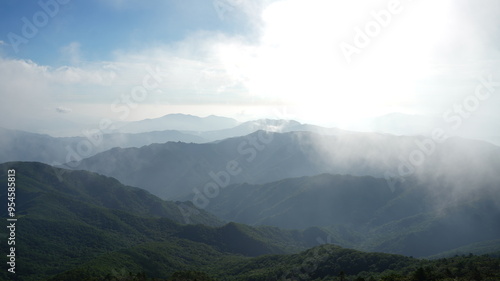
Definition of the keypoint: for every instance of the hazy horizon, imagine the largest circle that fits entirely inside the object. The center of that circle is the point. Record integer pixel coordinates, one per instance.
(334, 64)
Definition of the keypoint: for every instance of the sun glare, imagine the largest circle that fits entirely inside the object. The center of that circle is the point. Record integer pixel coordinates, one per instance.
(298, 61)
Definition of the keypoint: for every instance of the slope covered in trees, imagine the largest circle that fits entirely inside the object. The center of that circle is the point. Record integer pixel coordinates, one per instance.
(83, 226)
(415, 218)
(66, 218)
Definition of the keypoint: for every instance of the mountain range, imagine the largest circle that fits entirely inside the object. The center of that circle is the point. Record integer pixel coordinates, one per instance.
(178, 122)
(189, 198)
(70, 217)
(176, 170)
(268, 178)
(363, 213)
(18, 145)
(77, 225)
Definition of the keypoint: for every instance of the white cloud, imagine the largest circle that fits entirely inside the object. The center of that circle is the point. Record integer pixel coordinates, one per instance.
(296, 61)
(32, 91)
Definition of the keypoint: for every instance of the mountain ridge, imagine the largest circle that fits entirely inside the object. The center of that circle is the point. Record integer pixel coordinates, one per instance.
(101, 239)
(174, 170)
(379, 219)
(180, 122)
(90, 215)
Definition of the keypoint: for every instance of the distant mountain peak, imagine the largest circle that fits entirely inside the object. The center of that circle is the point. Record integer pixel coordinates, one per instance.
(181, 122)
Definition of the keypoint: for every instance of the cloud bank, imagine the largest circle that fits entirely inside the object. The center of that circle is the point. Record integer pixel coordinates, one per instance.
(425, 57)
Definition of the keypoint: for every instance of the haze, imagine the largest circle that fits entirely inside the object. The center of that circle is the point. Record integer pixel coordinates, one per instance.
(390, 66)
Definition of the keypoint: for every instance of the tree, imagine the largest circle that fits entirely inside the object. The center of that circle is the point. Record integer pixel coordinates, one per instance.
(190, 276)
(419, 275)
(342, 275)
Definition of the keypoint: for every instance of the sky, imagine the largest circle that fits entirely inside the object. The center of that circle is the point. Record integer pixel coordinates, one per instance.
(394, 66)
